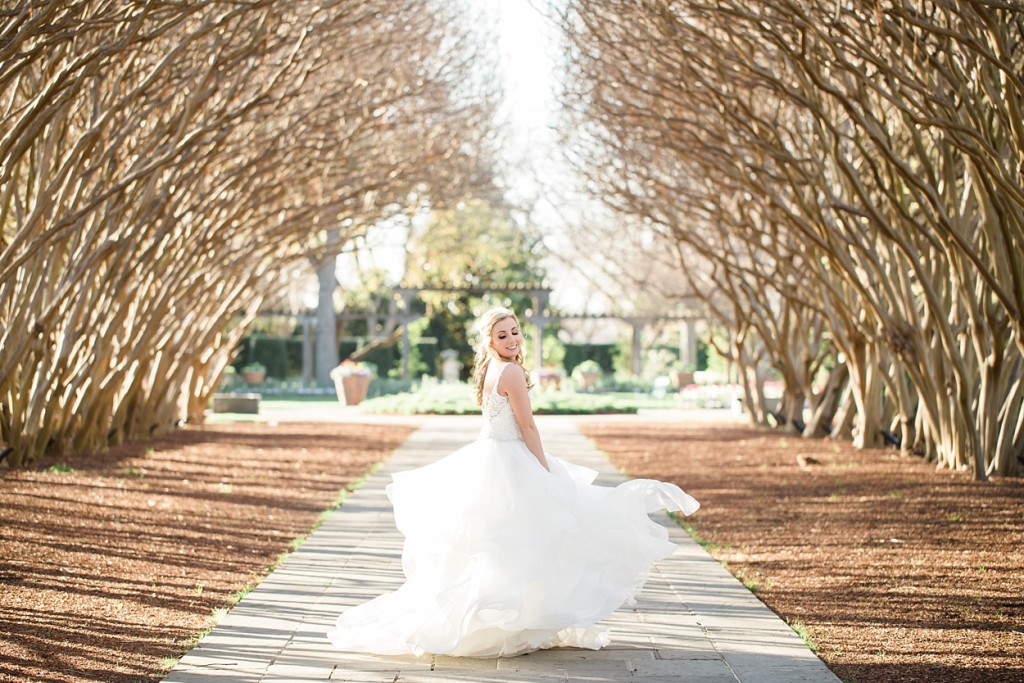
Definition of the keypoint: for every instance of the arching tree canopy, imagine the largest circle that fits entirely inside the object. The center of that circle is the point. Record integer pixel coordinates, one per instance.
(842, 183)
(163, 164)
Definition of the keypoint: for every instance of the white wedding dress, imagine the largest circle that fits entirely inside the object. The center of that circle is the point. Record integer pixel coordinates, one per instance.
(502, 557)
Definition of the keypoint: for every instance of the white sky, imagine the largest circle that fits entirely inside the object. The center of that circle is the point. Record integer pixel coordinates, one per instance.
(528, 45)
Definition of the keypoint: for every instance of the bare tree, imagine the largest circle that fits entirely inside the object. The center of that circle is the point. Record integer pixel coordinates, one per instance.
(162, 166)
(852, 172)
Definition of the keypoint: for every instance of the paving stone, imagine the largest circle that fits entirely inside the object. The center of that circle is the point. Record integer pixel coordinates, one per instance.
(559, 662)
(768, 665)
(693, 621)
(366, 676)
(476, 664)
(568, 656)
(291, 670)
(356, 662)
(477, 677)
(687, 652)
(207, 675)
(702, 670)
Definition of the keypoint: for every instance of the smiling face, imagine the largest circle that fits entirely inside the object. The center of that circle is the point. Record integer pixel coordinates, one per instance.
(506, 340)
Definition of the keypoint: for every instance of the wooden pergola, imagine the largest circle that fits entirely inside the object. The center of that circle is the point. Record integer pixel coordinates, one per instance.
(538, 316)
(538, 293)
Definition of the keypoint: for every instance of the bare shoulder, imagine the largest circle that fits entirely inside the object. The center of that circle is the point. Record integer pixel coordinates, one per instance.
(512, 379)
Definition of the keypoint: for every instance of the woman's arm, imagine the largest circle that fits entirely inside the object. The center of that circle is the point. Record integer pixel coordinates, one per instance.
(513, 382)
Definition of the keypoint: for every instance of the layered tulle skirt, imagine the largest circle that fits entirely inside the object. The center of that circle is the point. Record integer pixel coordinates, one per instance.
(502, 557)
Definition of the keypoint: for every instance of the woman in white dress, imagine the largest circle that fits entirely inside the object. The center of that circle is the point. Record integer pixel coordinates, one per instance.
(509, 549)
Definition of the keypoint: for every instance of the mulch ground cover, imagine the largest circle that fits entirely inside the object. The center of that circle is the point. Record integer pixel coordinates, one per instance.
(112, 563)
(896, 571)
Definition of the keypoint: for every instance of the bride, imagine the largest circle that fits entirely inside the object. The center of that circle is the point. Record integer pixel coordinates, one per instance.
(509, 549)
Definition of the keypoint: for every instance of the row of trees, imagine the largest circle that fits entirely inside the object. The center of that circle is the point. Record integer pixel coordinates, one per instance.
(841, 183)
(164, 165)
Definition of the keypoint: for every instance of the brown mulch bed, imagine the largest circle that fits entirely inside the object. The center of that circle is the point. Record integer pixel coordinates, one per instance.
(109, 571)
(898, 572)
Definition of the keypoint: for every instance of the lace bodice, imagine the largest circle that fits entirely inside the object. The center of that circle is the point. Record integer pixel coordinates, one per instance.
(499, 420)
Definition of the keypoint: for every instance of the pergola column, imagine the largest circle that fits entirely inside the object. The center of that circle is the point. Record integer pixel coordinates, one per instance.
(539, 320)
(688, 343)
(404, 318)
(636, 347)
(307, 350)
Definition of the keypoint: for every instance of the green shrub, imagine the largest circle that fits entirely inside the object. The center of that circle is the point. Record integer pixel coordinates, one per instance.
(436, 398)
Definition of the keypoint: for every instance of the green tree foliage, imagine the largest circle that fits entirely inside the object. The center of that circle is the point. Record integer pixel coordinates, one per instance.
(474, 244)
(462, 251)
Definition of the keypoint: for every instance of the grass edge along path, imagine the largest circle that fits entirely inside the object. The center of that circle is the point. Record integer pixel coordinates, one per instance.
(893, 570)
(294, 544)
(113, 564)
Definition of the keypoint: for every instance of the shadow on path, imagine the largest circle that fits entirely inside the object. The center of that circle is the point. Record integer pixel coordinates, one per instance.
(692, 622)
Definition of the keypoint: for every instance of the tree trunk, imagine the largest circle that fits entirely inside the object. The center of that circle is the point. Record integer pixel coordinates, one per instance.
(824, 414)
(326, 320)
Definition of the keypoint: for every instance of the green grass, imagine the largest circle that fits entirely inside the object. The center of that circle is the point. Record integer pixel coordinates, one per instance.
(435, 399)
(240, 593)
(750, 584)
(217, 614)
(688, 528)
(801, 630)
(293, 545)
(60, 468)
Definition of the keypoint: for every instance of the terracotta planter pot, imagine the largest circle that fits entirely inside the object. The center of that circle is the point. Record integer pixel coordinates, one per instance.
(254, 377)
(682, 378)
(352, 389)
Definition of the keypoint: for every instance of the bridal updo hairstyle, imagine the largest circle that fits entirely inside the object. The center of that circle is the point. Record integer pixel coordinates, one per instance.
(484, 353)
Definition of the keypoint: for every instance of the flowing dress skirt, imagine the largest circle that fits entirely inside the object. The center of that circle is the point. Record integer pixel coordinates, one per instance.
(502, 557)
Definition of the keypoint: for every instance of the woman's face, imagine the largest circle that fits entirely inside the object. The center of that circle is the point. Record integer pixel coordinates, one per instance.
(506, 339)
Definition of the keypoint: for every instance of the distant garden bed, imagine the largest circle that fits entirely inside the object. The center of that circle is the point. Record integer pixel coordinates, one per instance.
(431, 397)
(458, 399)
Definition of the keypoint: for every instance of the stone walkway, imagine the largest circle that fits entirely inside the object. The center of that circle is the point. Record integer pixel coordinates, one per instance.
(693, 621)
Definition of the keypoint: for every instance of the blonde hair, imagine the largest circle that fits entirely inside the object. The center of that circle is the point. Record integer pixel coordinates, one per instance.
(484, 355)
